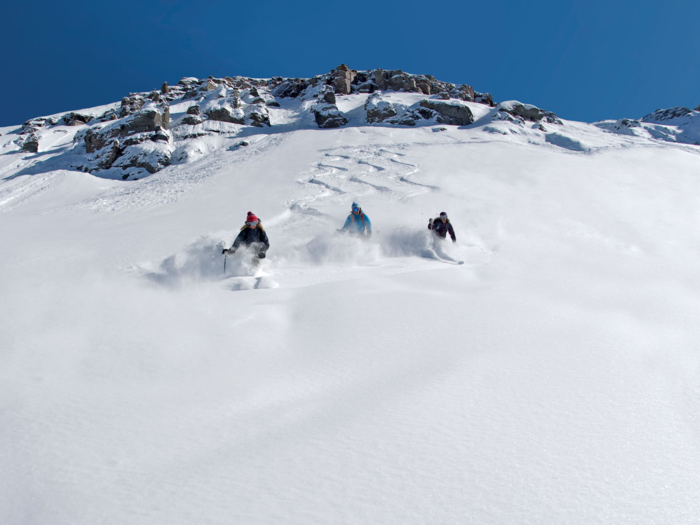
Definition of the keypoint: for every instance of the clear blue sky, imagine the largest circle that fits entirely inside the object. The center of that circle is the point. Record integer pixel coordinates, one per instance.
(584, 60)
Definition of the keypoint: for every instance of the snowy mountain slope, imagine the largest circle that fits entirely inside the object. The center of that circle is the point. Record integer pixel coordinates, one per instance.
(552, 378)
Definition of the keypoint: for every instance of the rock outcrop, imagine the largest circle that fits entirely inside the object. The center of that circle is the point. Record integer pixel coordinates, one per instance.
(514, 110)
(344, 77)
(448, 113)
(31, 144)
(225, 114)
(328, 116)
(662, 115)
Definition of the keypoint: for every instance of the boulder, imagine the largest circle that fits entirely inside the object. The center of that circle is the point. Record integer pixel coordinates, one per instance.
(193, 110)
(528, 112)
(31, 144)
(186, 81)
(223, 114)
(443, 95)
(423, 86)
(191, 120)
(463, 92)
(146, 120)
(209, 86)
(327, 95)
(291, 88)
(272, 103)
(75, 119)
(484, 98)
(329, 116)
(33, 125)
(381, 79)
(164, 88)
(257, 116)
(343, 78)
(448, 113)
(379, 110)
(131, 104)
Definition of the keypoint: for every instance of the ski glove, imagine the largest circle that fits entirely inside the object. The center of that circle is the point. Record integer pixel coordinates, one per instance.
(228, 252)
(261, 255)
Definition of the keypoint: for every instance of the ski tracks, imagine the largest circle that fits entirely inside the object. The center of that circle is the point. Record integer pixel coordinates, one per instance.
(358, 171)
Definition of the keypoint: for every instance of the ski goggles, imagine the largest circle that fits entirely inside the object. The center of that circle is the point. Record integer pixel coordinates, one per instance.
(443, 216)
(252, 223)
(355, 210)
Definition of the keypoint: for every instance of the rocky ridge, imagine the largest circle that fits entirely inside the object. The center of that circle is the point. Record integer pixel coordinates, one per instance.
(146, 132)
(141, 134)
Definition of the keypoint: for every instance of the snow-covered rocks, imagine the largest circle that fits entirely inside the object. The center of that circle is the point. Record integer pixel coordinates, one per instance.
(664, 115)
(514, 109)
(451, 112)
(328, 116)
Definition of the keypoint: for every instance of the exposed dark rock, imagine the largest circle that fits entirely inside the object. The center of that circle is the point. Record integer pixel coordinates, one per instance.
(94, 140)
(193, 110)
(259, 118)
(258, 101)
(108, 115)
(32, 126)
(291, 88)
(423, 85)
(454, 114)
(528, 112)
(209, 86)
(31, 144)
(144, 121)
(329, 117)
(272, 103)
(131, 104)
(254, 92)
(191, 120)
(223, 115)
(186, 81)
(75, 119)
(661, 115)
(378, 110)
(367, 87)
(444, 95)
(463, 92)
(344, 77)
(328, 96)
(484, 98)
(164, 88)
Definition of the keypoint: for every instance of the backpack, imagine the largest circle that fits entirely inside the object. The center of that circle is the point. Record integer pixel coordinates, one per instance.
(362, 218)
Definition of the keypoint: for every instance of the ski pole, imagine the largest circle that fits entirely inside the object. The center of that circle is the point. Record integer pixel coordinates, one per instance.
(224, 264)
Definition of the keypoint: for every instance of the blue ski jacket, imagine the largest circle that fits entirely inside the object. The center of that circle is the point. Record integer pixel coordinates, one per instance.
(359, 223)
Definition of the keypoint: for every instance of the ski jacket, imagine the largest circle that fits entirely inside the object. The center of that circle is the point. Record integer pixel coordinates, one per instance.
(441, 230)
(248, 236)
(358, 223)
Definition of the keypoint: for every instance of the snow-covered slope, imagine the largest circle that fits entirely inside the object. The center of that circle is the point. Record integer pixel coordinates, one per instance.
(551, 378)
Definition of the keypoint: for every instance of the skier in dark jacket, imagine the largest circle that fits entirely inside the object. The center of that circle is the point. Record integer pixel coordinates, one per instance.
(252, 235)
(441, 226)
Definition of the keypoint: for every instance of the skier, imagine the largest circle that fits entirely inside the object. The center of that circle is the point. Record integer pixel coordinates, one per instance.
(252, 236)
(441, 226)
(357, 222)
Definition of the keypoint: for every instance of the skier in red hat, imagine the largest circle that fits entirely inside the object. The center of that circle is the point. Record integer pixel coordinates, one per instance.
(252, 236)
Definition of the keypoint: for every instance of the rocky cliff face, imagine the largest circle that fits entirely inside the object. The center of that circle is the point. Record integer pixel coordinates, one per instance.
(140, 134)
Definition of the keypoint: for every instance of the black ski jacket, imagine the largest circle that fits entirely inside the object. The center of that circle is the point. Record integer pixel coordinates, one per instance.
(441, 230)
(249, 236)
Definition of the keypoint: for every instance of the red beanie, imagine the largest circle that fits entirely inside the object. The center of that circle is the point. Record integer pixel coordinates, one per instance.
(251, 217)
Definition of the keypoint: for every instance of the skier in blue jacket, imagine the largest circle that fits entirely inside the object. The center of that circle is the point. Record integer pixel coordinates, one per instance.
(357, 223)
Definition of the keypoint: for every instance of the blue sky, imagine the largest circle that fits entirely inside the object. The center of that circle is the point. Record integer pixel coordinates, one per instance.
(585, 61)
